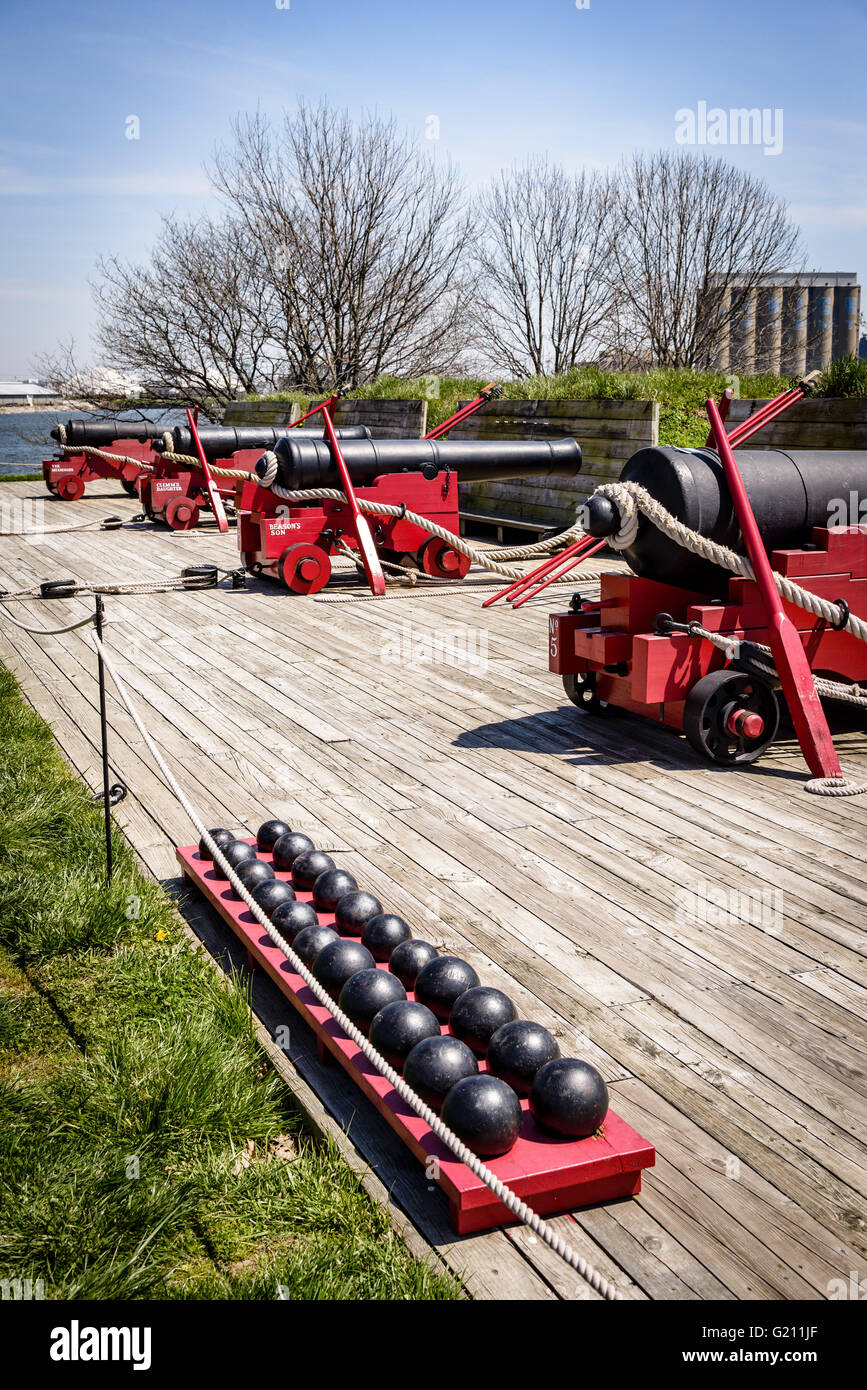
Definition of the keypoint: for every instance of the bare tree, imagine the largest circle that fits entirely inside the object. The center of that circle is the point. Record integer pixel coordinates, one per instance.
(198, 319)
(694, 238)
(542, 251)
(364, 240)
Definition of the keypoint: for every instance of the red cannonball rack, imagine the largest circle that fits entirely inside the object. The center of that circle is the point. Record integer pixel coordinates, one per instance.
(552, 1175)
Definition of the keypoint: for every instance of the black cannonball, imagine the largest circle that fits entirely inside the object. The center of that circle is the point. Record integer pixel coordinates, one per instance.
(311, 941)
(270, 831)
(368, 991)
(287, 849)
(252, 873)
(477, 1015)
(484, 1112)
(236, 853)
(398, 1027)
(440, 983)
(569, 1098)
(338, 962)
(329, 887)
(308, 866)
(354, 911)
(518, 1050)
(408, 958)
(272, 894)
(222, 838)
(435, 1065)
(292, 917)
(383, 932)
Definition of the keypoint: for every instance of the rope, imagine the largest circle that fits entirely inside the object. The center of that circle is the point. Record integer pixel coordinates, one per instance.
(47, 631)
(630, 498)
(91, 451)
(518, 1208)
(107, 523)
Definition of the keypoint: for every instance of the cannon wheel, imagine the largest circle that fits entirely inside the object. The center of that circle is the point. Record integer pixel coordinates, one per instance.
(438, 559)
(304, 568)
(182, 514)
(129, 487)
(71, 488)
(714, 707)
(581, 690)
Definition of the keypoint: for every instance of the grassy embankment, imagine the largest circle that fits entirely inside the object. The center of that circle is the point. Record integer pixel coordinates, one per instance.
(681, 393)
(147, 1149)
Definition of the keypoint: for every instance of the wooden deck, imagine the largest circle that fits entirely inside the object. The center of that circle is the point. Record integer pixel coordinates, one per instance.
(564, 856)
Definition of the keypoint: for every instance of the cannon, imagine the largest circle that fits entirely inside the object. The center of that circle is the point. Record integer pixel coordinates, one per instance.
(644, 647)
(67, 474)
(790, 493)
(308, 463)
(292, 540)
(221, 441)
(176, 494)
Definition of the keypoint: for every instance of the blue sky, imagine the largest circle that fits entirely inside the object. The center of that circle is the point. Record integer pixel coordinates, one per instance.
(504, 79)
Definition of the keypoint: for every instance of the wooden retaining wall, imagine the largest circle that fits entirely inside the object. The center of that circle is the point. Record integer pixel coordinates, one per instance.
(609, 433)
(261, 413)
(386, 419)
(824, 423)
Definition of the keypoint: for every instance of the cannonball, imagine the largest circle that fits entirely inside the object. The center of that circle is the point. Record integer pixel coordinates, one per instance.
(569, 1097)
(398, 1027)
(308, 866)
(518, 1050)
(338, 962)
(368, 991)
(408, 958)
(329, 887)
(485, 1113)
(442, 981)
(435, 1065)
(477, 1015)
(287, 849)
(270, 831)
(383, 932)
(354, 911)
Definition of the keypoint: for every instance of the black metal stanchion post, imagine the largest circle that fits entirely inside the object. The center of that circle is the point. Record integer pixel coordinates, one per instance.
(103, 728)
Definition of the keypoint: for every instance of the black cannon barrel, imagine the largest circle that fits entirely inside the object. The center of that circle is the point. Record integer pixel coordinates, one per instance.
(219, 441)
(790, 493)
(100, 432)
(307, 463)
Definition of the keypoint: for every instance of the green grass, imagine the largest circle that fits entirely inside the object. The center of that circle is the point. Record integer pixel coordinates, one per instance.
(681, 392)
(147, 1149)
(20, 477)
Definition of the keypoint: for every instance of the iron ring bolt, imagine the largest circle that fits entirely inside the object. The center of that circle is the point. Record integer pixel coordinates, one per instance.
(844, 614)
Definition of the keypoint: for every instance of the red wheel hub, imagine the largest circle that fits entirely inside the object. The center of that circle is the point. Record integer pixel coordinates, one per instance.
(304, 568)
(438, 559)
(744, 723)
(182, 514)
(70, 489)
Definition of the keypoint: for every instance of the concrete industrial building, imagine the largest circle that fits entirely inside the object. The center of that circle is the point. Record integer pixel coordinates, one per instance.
(790, 323)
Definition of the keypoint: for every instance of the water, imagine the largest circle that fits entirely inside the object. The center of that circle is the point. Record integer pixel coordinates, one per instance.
(25, 438)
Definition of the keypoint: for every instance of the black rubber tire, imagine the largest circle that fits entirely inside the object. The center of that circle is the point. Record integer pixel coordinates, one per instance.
(129, 488)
